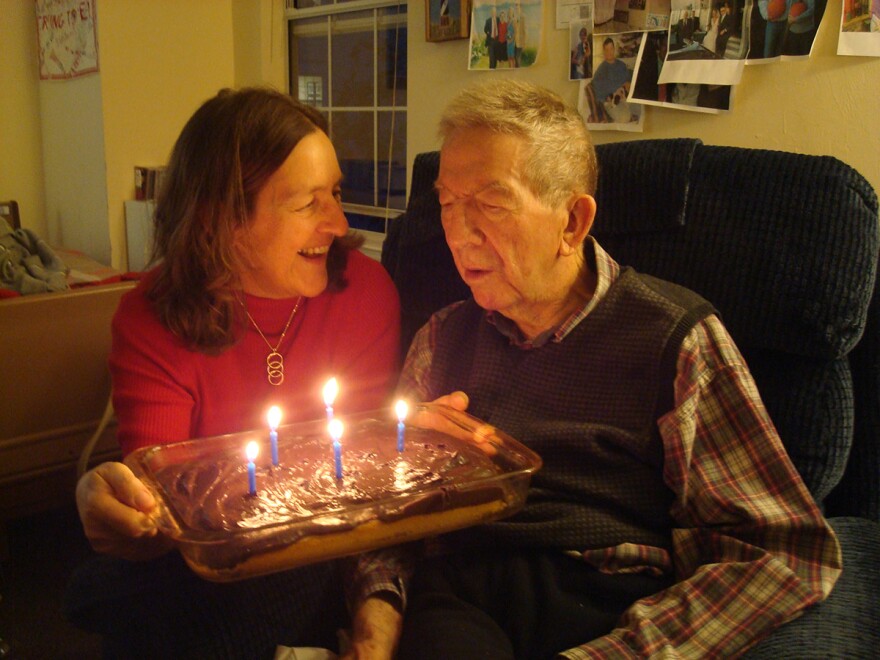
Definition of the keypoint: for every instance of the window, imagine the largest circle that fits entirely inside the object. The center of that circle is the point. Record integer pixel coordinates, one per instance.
(348, 59)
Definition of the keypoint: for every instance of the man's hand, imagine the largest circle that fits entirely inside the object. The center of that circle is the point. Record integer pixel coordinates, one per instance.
(116, 513)
(376, 631)
(458, 400)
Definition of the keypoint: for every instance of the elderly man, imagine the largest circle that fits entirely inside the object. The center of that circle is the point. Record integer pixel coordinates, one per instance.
(667, 518)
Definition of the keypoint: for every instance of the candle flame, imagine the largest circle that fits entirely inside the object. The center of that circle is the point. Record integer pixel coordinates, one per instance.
(331, 389)
(401, 409)
(274, 417)
(252, 450)
(334, 427)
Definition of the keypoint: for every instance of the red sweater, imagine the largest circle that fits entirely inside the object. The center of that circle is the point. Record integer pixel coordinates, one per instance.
(163, 392)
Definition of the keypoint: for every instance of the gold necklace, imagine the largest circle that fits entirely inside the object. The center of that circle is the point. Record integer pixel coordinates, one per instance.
(274, 360)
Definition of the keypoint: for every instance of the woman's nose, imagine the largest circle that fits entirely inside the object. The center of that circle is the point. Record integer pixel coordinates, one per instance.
(335, 221)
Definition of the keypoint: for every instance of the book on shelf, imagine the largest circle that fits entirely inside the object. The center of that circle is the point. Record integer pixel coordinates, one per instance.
(147, 182)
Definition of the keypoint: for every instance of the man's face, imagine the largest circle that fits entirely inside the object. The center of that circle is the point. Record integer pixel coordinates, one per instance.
(608, 52)
(505, 241)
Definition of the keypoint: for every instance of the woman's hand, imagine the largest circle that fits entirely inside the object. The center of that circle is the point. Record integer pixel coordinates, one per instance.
(375, 631)
(116, 513)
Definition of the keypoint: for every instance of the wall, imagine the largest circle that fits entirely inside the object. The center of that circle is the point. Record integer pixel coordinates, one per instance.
(159, 61)
(95, 129)
(260, 40)
(21, 166)
(74, 165)
(76, 141)
(824, 105)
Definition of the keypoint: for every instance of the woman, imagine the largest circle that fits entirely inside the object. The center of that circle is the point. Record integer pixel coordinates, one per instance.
(709, 41)
(258, 297)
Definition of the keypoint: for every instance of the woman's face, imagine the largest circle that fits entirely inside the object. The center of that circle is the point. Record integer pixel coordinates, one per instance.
(297, 215)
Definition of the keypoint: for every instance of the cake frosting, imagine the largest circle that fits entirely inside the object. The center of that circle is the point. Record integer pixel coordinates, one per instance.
(301, 512)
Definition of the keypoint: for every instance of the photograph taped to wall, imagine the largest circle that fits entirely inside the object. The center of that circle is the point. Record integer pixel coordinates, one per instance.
(603, 101)
(446, 19)
(580, 41)
(783, 29)
(505, 35)
(616, 16)
(694, 97)
(705, 44)
(859, 28)
(573, 10)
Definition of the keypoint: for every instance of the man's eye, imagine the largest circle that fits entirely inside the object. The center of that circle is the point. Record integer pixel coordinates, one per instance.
(308, 206)
(491, 209)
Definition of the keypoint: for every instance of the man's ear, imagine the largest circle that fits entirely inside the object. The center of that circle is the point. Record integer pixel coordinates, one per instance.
(581, 213)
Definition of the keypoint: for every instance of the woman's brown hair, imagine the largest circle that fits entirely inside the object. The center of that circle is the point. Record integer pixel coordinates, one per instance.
(225, 154)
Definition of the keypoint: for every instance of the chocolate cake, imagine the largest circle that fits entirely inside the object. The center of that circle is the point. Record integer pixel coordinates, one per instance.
(301, 513)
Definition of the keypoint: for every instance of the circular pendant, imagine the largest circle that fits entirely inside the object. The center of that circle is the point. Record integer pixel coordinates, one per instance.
(275, 368)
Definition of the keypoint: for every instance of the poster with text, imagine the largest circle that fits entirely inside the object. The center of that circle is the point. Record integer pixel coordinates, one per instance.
(859, 28)
(67, 38)
(504, 35)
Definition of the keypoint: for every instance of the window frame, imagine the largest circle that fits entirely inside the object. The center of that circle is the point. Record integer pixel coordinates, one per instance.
(329, 10)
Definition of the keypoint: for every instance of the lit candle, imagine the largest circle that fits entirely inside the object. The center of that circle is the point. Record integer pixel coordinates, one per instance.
(401, 409)
(331, 389)
(335, 429)
(274, 418)
(251, 451)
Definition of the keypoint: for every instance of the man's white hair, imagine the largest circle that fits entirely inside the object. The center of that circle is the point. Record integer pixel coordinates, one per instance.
(559, 160)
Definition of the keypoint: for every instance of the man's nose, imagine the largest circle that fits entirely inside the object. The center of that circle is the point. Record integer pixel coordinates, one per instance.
(459, 224)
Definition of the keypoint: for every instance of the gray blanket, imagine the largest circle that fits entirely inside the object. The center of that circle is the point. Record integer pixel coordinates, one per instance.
(27, 263)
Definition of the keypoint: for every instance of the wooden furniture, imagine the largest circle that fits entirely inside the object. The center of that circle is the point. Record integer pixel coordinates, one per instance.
(55, 391)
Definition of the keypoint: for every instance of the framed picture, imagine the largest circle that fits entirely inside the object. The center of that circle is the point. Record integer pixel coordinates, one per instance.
(447, 19)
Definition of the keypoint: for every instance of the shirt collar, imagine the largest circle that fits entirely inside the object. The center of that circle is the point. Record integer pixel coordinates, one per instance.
(607, 271)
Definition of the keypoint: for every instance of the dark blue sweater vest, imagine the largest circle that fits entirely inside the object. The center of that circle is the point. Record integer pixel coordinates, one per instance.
(588, 405)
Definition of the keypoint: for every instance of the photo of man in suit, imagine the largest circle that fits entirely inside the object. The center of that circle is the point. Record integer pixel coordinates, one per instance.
(491, 30)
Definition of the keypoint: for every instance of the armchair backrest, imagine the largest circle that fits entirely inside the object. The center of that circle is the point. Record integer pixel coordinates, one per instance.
(784, 245)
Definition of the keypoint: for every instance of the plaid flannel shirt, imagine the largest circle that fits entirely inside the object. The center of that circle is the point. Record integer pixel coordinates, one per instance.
(751, 549)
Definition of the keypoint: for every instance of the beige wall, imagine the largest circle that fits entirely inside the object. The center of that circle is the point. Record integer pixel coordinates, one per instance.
(75, 143)
(260, 39)
(21, 163)
(824, 105)
(79, 140)
(159, 61)
(74, 165)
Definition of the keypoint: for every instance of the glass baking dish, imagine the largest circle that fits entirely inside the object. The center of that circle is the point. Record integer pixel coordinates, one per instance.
(454, 471)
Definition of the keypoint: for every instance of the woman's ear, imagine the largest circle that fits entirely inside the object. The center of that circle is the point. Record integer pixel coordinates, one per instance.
(581, 213)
